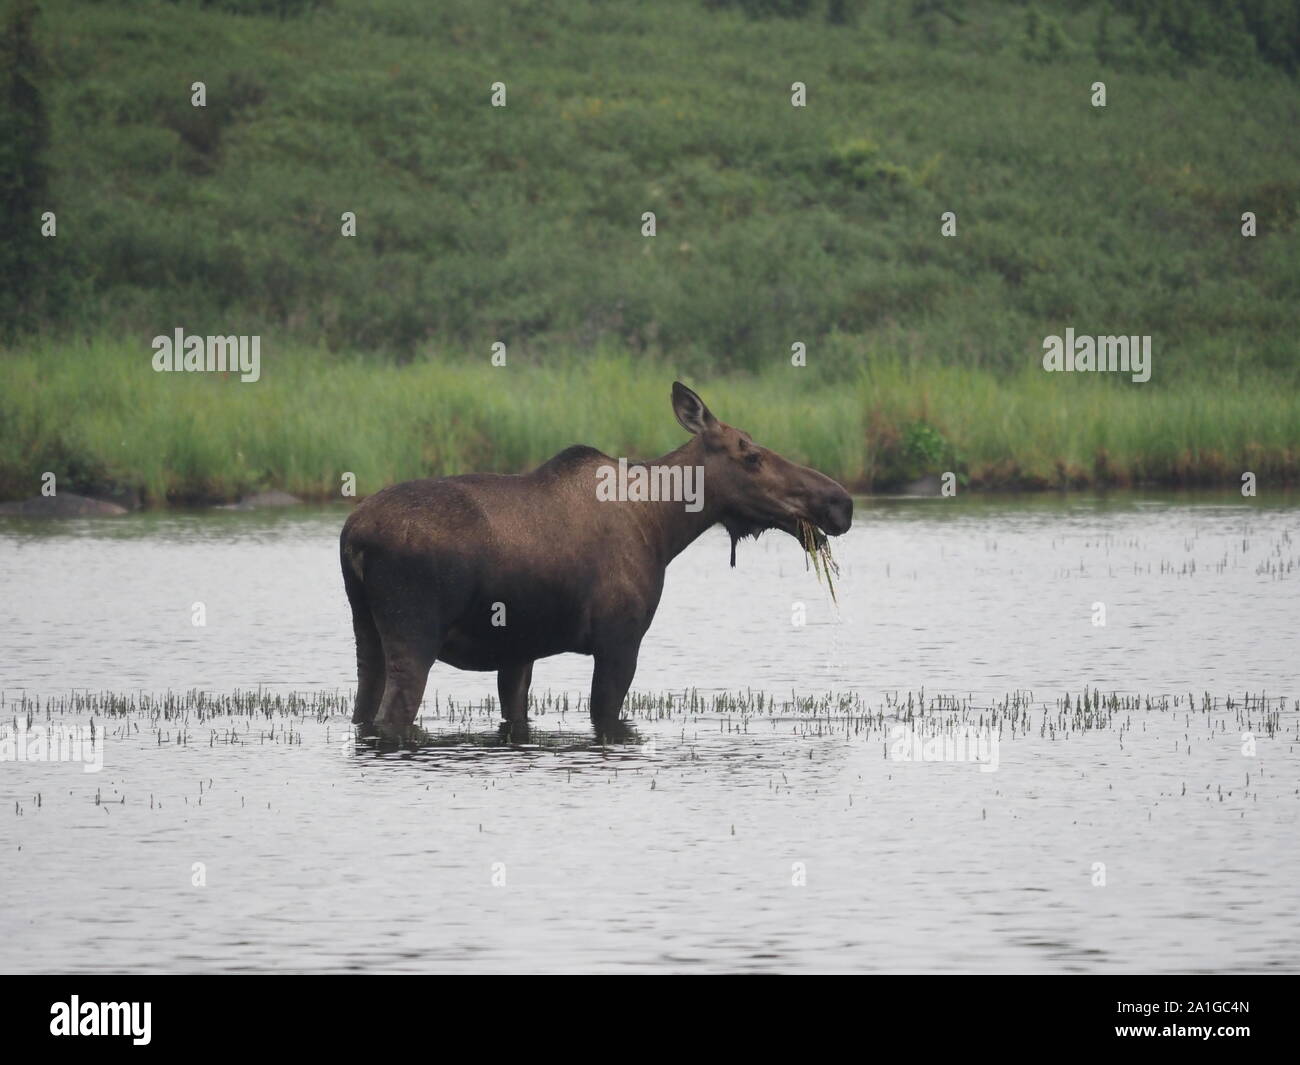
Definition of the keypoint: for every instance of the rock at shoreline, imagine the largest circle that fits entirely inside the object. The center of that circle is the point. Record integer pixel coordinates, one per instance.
(62, 505)
(926, 486)
(259, 500)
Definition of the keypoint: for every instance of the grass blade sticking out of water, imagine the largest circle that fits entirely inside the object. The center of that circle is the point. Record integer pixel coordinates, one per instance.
(818, 549)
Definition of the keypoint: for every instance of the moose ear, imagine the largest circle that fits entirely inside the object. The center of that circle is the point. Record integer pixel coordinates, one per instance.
(691, 412)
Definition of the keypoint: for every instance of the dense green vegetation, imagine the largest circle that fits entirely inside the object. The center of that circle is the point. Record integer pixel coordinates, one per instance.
(312, 418)
(775, 225)
(27, 273)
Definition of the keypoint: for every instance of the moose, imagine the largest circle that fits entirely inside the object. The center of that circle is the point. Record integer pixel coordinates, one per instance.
(494, 571)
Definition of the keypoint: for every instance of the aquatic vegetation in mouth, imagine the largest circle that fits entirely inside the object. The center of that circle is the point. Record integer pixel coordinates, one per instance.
(818, 548)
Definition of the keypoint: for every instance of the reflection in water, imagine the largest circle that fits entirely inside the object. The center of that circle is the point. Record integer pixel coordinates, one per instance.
(512, 736)
(757, 818)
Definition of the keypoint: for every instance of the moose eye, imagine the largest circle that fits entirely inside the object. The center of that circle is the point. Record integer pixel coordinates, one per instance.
(753, 458)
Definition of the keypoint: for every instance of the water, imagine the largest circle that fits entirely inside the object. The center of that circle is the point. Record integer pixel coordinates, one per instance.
(759, 841)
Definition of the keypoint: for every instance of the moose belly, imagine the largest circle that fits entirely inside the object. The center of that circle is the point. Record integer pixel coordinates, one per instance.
(487, 639)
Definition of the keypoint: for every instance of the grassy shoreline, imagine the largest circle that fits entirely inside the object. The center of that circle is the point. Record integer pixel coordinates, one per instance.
(97, 416)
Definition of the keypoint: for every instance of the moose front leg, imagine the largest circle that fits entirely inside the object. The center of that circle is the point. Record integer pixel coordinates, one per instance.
(615, 668)
(512, 686)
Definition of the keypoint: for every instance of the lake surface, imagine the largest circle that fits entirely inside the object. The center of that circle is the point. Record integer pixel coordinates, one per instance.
(1155, 833)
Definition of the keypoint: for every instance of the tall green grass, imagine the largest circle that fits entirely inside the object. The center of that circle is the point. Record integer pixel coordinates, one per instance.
(99, 417)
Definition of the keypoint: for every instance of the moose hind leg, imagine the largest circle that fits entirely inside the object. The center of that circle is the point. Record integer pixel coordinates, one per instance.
(406, 673)
(370, 657)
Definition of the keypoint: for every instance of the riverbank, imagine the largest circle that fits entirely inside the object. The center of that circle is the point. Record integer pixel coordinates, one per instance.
(104, 422)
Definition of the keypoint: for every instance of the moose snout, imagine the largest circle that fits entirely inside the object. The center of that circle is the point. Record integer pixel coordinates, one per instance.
(836, 512)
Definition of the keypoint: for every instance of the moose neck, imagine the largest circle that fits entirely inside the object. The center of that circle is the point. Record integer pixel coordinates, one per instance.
(667, 523)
